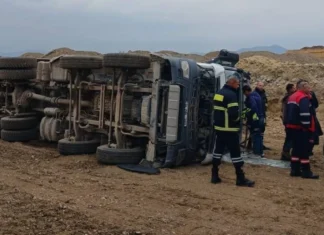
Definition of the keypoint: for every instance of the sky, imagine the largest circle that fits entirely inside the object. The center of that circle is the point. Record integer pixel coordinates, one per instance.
(179, 25)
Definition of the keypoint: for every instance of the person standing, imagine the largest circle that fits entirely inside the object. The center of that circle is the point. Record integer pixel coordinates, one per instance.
(264, 99)
(300, 122)
(227, 127)
(318, 129)
(286, 149)
(255, 119)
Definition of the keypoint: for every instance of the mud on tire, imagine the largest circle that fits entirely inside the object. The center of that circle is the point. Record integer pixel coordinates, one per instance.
(18, 63)
(68, 147)
(13, 75)
(18, 123)
(80, 62)
(111, 156)
(124, 60)
(19, 136)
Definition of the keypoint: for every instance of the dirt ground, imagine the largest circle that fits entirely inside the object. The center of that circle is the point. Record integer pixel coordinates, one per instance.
(44, 193)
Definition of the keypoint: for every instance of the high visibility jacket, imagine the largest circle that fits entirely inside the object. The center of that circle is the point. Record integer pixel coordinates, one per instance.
(226, 110)
(298, 113)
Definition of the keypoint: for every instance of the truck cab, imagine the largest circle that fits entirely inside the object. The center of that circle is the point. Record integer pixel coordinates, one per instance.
(224, 66)
(189, 133)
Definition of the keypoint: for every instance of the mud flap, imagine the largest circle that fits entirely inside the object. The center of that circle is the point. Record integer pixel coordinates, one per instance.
(260, 161)
(139, 169)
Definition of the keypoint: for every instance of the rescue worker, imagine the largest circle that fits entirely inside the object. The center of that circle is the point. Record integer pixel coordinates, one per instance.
(260, 90)
(286, 149)
(227, 127)
(255, 120)
(300, 122)
(318, 129)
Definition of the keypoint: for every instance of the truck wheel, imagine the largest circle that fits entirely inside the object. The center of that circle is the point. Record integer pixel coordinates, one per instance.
(23, 74)
(68, 147)
(113, 156)
(80, 62)
(124, 60)
(19, 136)
(18, 123)
(18, 63)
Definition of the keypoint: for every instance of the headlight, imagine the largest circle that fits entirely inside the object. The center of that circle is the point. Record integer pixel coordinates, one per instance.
(185, 69)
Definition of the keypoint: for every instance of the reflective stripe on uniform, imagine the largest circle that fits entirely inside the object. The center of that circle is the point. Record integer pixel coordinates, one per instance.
(305, 123)
(220, 108)
(304, 114)
(218, 128)
(237, 160)
(232, 105)
(226, 128)
(217, 156)
(218, 97)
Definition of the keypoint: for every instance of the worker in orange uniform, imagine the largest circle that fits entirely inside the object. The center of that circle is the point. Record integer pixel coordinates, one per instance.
(300, 122)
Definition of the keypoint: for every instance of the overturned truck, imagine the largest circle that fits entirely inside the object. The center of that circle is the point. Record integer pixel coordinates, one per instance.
(123, 107)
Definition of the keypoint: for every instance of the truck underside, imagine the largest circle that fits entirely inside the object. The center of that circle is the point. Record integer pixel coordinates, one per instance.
(123, 107)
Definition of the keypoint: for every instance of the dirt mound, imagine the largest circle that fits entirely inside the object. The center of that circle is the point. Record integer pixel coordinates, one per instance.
(315, 51)
(276, 74)
(32, 55)
(212, 54)
(68, 51)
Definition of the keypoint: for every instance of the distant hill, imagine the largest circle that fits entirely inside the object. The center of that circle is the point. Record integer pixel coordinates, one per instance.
(18, 53)
(274, 49)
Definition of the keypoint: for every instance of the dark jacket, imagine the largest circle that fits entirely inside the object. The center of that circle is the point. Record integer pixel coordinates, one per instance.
(264, 99)
(254, 103)
(284, 105)
(298, 113)
(226, 110)
(314, 100)
(314, 106)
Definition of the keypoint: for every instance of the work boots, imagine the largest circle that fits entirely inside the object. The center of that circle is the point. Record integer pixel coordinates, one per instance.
(307, 173)
(295, 169)
(241, 180)
(215, 177)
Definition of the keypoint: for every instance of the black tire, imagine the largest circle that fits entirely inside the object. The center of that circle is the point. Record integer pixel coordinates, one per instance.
(67, 147)
(14, 75)
(19, 136)
(124, 60)
(80, 62)
(113, 156)
(17, 63)
(18, 123)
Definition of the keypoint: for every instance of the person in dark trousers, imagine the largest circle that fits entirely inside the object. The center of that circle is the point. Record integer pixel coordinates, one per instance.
(286, 149)
(318, 129)
(300, 122)
(255, 119)
(227, 127)
(260, 90)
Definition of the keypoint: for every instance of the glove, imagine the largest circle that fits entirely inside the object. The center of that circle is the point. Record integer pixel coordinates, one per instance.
(244, 112)
(255, 117)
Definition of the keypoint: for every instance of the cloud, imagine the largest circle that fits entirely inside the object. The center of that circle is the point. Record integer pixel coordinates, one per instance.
(183, 25)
